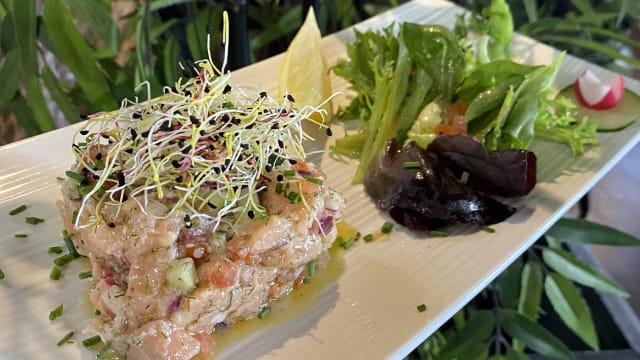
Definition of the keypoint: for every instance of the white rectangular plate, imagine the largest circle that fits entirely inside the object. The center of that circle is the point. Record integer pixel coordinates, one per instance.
(369, 310)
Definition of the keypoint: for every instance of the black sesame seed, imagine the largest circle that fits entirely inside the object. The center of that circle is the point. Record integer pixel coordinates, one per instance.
(329, 132)
(194, 120)
(179, 178)
(212, 121)
(208, 29)
(263, 94)
(250, 214)
(175, 163)
(268, 168)
(212, 205)
(207, 89)
(227, 89)
(235, 121)
(202, 132)
(120, 179)
(84, 132)
(290, 98)
(292, 161)
(137, 115)
(129, 151)
(280, 177)
(111, 225)
(187, 93)
(186, 149)
(84, 116)
(275, 126)
(145, 134)
(99, 156)
(280, 143)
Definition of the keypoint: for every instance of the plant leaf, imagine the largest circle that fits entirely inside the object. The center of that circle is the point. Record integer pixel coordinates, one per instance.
(10, 75)
(477, 329)
(65, 105)
(24, 22)
(508, 285)
(583, 6)
(72, 49)
(170, 60)
(514, 354)
(161, 4)
(7, 35)
(566, 264)
(586, 232)
(571, 307)
(98, 19)
(533, 335)
(531, 290)
(24, 115)
(592, 45)
(38, 105)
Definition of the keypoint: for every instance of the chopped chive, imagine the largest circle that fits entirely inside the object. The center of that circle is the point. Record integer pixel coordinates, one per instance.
(55, 250)
(96, 312)
(306, 281)
(89, 342)
(349, 243)
(489, 229)
(1, 274)
(18, 210)
(367, 237)
(264, 312)
(314, 180)
(422, 307)
(55, 273)
(74, 216)
(289, 173)
(65, 339)
(278, 188)
(20, 236)
(69, 243)
(295, 198)
(464, 178)
(34, 220)
(386, 227)
(75, 176)
(85, 274)
(63, 260)
(411, 164)
(56, 313)
(311, 268)
(438, 233)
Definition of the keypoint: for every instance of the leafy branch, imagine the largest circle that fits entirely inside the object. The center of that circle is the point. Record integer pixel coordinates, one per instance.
(503, 321)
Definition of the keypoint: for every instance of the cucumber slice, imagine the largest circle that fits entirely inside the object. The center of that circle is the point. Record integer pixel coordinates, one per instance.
(619, 117)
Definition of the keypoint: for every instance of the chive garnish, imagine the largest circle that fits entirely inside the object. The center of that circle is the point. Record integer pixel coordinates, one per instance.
(55, 273)
(34, 220)
(386, 227)
(18, 210)
(1, 275)
(56, 313)
(289, 173)
(422, 307)
(464, 178)
(85, 274)
(65, 339)
(411, 164)
(311, 268)
(69, 243)
(438, 233)
(314, 180)
(489, 229)
(63, 260)
(264, 312)
(89, 342)
(367, 237)
(20, 236)
(55, 250)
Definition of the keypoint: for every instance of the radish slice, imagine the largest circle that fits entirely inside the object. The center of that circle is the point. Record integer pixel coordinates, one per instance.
(595, 94)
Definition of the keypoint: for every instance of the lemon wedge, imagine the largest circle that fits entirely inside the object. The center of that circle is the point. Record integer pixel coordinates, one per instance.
(304, 73)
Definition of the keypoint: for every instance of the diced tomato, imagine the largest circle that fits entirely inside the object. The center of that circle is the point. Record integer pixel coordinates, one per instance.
(222, 273)
(454, 114)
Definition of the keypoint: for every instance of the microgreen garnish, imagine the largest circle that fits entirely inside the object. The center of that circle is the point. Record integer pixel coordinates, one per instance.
(20, 236)
(89, 342)
(202, 140)
(386, 227)
(34, 220)
(411, 164)
(55, 273)
(85, 274)
(421, 308)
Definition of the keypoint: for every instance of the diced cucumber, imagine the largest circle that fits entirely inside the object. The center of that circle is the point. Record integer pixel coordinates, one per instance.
(182, 275)
(621, 116)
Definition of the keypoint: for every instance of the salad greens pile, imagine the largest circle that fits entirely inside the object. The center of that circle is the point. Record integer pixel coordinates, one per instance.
(407, 77)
